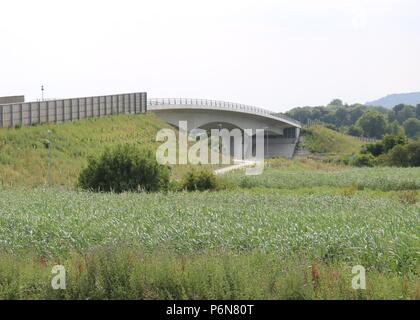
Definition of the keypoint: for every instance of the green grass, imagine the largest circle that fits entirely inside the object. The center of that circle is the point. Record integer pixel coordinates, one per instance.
(377, 232)
(318, 139)
(125, 273)
(239, 244)
(296, 175)
(24, 157)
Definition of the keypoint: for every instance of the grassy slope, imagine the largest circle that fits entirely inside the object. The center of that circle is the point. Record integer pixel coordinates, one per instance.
(24, 157)
(318, 139)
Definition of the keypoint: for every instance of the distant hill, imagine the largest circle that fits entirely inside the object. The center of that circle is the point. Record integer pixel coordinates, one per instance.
(392, 100)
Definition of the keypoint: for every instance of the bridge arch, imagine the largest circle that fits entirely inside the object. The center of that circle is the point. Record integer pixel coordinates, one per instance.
(208, 114)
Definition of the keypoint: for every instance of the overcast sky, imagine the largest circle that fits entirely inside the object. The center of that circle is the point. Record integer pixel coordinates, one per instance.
(276, 54)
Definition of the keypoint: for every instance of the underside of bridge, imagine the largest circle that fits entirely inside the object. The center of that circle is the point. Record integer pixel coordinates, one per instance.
(280, 137)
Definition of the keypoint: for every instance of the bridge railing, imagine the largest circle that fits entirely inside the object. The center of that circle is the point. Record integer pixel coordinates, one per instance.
(219, 104)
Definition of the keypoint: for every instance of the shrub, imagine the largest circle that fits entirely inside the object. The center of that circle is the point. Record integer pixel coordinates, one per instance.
(413, 150)
(375, 149)
(405, 156)
(363, 160)
(390, 141)
(124, 168)
(200, 180)
(355, 131)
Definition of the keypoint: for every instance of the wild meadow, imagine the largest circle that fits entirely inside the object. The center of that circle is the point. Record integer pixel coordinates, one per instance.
(216, 239)
(293, 177)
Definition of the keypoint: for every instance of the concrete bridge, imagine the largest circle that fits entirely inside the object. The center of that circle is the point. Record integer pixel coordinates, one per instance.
(282, 132)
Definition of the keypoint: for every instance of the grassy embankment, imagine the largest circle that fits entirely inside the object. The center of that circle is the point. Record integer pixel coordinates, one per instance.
(321, 140)
(24, 152)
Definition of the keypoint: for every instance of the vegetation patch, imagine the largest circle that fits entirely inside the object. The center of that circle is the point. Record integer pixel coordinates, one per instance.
(123, 273)
(319, 139)
(124, 168)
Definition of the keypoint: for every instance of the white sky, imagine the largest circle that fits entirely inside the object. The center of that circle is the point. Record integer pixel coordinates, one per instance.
(276, 54)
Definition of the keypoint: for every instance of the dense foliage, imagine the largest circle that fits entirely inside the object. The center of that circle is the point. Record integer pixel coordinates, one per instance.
(360, 120)
(124, 168)
(392, 150)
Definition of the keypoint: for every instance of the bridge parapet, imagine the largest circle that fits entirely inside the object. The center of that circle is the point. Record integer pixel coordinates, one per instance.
(232, 106)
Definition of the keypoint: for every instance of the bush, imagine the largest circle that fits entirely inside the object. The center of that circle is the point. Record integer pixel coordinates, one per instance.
(363, 160)
(375, 149)
(355, 131)
(405, 155)
(124, 168)
(383, 147)
(390, 141)
(200, 180)
(413, 149)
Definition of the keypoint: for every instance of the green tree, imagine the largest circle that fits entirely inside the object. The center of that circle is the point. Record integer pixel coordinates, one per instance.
(355, 131)
(342, 117)
(412, 127)
(405, 155)
(404, 112)
(356, 112)
(413, 149)
(373, 124)
(398, 156)
(390, 141)
(396, 129)
(337, 103)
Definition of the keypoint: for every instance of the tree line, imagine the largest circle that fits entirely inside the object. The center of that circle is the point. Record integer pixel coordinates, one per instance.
(361, 120)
